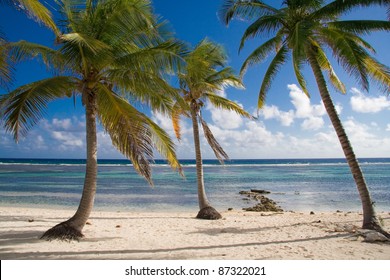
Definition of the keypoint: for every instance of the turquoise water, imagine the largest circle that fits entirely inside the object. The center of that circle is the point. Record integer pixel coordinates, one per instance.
(296, 184)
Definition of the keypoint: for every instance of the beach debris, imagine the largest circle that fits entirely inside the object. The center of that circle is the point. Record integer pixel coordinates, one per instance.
(346, 228)
(118, 226)
(30, 220)
(265, 204)
(230, 209)
(312, 213)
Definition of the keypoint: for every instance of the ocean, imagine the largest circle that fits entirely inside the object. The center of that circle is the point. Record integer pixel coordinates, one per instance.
(295, 184)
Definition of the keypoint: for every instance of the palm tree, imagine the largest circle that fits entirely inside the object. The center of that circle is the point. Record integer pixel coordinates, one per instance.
(201, 79)
(306, 28)
(111, 51)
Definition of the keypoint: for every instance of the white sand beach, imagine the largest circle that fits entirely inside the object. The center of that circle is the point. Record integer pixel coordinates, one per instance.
(170, 236)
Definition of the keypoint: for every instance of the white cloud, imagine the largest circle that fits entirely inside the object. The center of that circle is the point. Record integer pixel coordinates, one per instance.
(311, 114)
(364, 104)
(273, 112)
(64, 124)
(67, 139)
(226, 119)
(312, 123)
(240, 138)
(302, 104)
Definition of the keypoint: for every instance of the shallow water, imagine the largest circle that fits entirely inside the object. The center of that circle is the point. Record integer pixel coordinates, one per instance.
(298, 185)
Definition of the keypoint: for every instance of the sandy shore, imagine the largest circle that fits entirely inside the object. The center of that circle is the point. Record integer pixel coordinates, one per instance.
(239, 235)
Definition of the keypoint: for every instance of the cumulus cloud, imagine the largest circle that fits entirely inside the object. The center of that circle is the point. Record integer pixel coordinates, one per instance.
(273, 112)
(310, 114)
(312, 123)
(226, 119)
(240, 137)
(364, 104)
(302, 104)
(66, 139)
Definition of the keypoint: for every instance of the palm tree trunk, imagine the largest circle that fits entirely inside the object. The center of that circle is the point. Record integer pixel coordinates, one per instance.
(203, 201)
(206, 210)
(72, 228)
(370, 220)
(88, 197)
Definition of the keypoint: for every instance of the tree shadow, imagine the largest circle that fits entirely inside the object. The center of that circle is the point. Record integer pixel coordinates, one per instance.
(151, 253)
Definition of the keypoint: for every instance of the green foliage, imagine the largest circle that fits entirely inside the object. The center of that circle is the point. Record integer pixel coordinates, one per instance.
(116, 50)
(301, 27)
(203, 76)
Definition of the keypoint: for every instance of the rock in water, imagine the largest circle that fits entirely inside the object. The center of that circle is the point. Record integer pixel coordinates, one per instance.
(261, 191)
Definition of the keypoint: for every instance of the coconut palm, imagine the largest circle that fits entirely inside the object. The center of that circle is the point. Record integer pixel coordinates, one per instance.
(111, 51)
(203, 76)
(307, 29)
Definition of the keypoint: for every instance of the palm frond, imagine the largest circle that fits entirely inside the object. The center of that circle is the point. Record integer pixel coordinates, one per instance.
(148, 88)
(22, 50)
(339, 7)
(272, 70)
(360, 27)
(22, 108)
(85, 42)
(265, 24)
(297, 65)
(347, 48)
(260, 53)
(215, 146)
(224, 77)
(325, 65)
(226, 104)
(6, 68)
(300, 33)
(166, 56)
(379, 72)
(179, 108)
(205, 56)
(133, 133)
(244, 10)
(128, 16)
(39, 12)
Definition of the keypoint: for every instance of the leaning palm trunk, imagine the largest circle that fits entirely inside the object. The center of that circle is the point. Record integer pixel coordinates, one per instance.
(370, 220)
(206, 210)
(72, 228)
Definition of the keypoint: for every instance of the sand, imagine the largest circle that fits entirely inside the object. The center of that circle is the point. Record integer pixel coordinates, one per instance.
(172, 236)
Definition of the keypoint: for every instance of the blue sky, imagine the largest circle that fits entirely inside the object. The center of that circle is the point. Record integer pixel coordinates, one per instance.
(289, 126)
